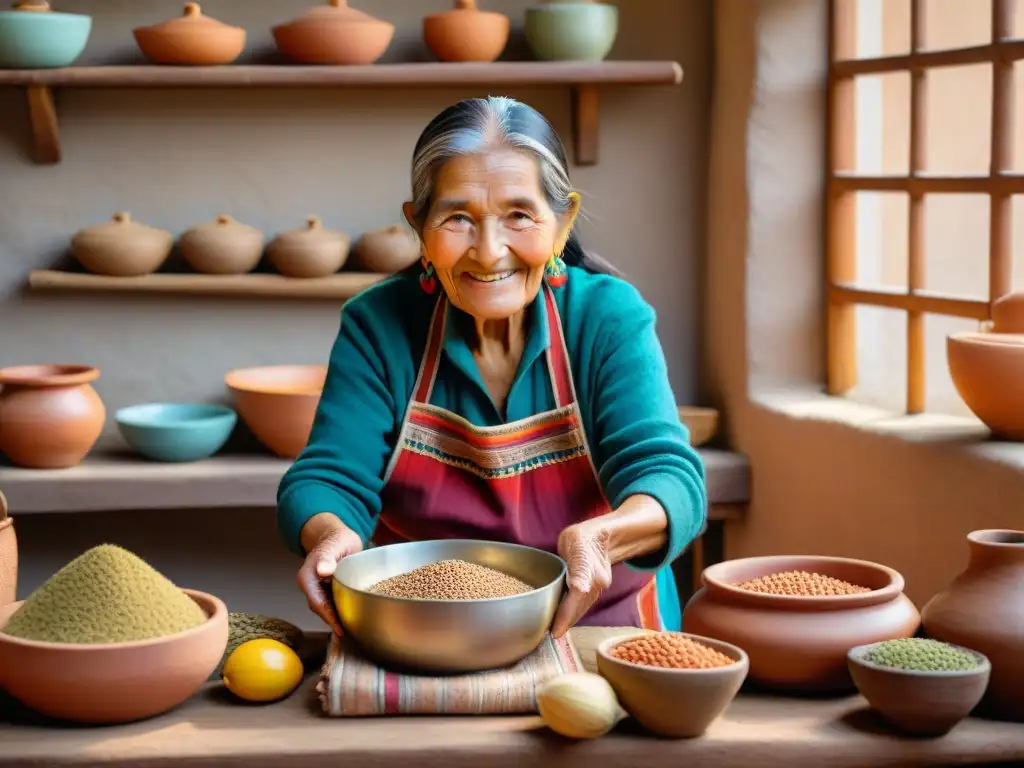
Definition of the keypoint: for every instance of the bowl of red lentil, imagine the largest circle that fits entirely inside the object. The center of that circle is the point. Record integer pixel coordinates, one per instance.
(448, 606)
(796, 616)
(674, 684)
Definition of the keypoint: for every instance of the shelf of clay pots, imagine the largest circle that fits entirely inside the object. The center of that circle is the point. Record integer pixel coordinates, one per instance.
(583, 77)
(112, 479)
(339, 287)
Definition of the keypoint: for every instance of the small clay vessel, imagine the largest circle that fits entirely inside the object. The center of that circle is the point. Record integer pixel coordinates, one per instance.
(1008, 313)
(50, 416)
(191, 40)
(987, 370)
(334, 34)
(466, 33)
(311, 251)
(388, 250)
(222, 247)
(8, 555)
(278, 403)
(800, 642)
(571, 30)
(122, 247)
(983, 609)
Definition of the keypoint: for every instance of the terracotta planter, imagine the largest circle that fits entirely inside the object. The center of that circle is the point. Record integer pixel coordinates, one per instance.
(983, 609)
(192, 39)
(333, 33)
(987, 370)
(389, 249)
(8, 556)
(466, 33)
(50, 416)
(278, 403)
(797, 642)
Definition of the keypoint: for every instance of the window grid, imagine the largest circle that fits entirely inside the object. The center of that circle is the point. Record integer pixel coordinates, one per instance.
(843, 182)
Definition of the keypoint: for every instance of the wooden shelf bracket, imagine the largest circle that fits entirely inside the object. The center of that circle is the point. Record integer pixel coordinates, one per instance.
(585, 123)
(42, 116)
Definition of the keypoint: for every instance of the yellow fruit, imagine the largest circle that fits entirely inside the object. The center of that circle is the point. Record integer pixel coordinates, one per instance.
(262, 670)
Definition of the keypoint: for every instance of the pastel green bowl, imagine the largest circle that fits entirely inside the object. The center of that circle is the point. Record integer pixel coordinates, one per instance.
(572, 31)
(175, 432)
(42, 39)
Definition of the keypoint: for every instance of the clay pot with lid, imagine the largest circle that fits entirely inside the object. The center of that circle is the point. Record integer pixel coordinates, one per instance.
(983, 609)
(800, 642)
(309, 252)
(192, 39)
(334, 33)
(987, 370)
(50, 416)
(222, 247)
(8, 555)
(388, 250)
(466, 33)
(33, 36)
(122, 247)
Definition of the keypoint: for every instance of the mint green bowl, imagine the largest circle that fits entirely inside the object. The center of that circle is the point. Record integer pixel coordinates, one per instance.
(572, 31)
(42, 39)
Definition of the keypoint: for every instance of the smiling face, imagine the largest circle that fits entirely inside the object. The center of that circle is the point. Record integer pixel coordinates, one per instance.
(490, 232)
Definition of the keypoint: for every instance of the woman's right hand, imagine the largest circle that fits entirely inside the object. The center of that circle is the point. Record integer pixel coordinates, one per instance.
(326, 540)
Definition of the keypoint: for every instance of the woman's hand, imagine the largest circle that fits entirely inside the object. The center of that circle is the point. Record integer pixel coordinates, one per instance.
(326, 541)
(585, 549)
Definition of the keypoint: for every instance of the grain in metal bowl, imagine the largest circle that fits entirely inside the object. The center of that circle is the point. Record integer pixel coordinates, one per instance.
(448, 636)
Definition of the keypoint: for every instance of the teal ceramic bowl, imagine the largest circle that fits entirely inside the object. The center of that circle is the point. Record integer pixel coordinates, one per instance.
(42, 39)
(174, 432)
(572, 31)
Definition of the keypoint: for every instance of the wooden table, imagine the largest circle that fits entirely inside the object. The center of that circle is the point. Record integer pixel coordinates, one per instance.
(212, 731)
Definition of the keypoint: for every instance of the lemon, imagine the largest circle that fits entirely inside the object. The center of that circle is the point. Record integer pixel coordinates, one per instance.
(262, 670)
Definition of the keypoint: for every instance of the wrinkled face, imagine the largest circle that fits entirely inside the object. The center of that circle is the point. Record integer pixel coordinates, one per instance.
(490, 232)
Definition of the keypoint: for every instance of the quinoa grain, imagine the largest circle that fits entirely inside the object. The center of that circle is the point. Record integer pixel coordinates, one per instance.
(802, 584)
(451, 580)
(669, 651)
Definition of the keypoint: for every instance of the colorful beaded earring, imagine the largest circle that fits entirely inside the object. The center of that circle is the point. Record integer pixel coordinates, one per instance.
(428, 278)
(556, 272)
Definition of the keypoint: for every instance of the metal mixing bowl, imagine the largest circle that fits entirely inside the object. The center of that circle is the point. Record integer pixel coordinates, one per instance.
(448, 636)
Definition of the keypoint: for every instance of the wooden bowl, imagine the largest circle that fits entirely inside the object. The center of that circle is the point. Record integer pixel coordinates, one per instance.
(702, 423)
(677, 703)
(988, 372)
(919, 703)
(117, 682)
(278, 403)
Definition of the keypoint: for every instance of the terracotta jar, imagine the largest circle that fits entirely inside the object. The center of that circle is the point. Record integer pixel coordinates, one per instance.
(309, 252)
(390, 249)
(987, 370)
(334, 34)
(8, 556)
(50, 416)
(222, 247)
(122, 247)
(983, 609)
(466, 33)
(191, 40)
(797, 642)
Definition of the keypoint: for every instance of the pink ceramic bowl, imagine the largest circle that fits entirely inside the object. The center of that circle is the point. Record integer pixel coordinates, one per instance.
(278, 403)
(115, 683)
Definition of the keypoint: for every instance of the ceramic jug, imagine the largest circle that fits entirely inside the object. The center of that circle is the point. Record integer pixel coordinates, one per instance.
(8, 555)
(983, 609)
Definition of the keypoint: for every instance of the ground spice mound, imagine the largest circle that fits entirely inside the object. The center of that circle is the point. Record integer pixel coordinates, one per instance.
(105, 595)
(801, 583)
(451, 580)
(669, 651)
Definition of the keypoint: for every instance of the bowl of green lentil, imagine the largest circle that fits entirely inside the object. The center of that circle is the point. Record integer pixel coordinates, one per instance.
(920, 686)
(448, 606)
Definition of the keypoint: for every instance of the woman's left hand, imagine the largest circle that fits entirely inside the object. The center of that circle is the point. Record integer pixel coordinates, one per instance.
(585, 549)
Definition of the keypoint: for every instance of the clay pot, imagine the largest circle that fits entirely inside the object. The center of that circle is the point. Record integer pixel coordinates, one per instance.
(466, 33)
(987, 370)
(117, 682)
(34, 37)
(797, 642)
(122, 247)
(8, 556)
(1008, 313)
(388, 250)
(50, 416)
(983, 609)
(334, 34)
(278, 403)
(311, 251)
(222, 247)
(191, 40)
(702, 423)
(571, 30)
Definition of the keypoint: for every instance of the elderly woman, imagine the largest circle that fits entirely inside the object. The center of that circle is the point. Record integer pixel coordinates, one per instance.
(509, 388)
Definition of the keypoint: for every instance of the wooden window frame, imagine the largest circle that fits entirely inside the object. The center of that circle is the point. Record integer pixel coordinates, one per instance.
(1001, 184)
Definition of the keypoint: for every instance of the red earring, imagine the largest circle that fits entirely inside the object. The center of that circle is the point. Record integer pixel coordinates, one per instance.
(428, 279)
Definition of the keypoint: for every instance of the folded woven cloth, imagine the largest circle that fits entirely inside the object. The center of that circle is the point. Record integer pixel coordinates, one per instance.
(352, 686)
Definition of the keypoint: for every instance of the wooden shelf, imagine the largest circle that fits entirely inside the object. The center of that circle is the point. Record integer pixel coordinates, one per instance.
(583, 77)
(112, 479)
(339, 287)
